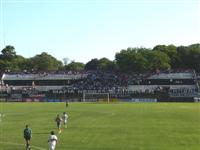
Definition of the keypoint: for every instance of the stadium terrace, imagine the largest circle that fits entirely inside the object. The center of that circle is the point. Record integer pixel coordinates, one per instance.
(98, 85)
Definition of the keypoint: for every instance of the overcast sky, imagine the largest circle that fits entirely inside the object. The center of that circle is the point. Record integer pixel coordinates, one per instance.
(84, 29)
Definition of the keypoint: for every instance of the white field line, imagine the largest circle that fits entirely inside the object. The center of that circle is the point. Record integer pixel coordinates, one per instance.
(35, 147)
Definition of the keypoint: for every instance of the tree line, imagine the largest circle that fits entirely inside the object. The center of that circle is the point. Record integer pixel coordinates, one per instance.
(130, 60)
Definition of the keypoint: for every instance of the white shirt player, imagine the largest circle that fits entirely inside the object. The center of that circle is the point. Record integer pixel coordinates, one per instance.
(52, 141)
(65, 116)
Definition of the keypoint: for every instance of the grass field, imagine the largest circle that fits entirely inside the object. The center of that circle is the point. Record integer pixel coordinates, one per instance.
(93, 126)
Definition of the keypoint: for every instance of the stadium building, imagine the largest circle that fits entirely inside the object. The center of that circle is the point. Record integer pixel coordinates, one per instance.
(35, 86)
(163, 86)
(179, 86)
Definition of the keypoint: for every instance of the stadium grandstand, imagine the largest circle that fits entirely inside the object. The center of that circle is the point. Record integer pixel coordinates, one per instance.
(72, 86)
(41, 81)
(35, 85)
(177, 84)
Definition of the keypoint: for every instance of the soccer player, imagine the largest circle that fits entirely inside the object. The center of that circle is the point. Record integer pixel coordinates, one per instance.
(52, 140)
(58, 123)
(65, 117)
(66, 104)
(27, 136)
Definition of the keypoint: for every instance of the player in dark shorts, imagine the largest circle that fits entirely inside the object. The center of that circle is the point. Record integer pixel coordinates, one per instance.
(27, 136)
(58, 123)
(66, 104)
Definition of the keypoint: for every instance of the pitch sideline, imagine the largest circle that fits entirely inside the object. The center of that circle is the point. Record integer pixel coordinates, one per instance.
(11, 143)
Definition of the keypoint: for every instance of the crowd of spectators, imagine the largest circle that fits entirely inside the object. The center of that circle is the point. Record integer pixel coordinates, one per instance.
(113, 83)
(183, 92)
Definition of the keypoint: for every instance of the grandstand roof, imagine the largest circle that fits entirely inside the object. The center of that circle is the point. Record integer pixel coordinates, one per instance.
(182, 75)
(42, 76)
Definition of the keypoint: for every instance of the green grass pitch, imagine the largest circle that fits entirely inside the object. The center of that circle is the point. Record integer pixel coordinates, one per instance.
(94, 126)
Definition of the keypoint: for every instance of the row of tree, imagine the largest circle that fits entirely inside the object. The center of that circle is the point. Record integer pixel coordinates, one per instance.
(161, 57)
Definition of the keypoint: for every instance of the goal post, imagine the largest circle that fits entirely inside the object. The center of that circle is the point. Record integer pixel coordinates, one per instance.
(94, 97)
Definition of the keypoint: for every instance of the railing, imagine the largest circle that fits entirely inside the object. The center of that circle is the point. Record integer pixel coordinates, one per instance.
(43, 76)
(172, 76)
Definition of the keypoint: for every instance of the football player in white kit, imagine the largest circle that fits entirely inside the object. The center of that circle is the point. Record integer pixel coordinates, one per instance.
(65, 117)
(52, 140)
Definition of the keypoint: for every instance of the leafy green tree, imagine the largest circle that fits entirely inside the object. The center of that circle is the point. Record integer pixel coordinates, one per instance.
(141, 59)
(8, 52)
(131, 60)
(10, 60)
(4, 65)
(189, 56)
(125, 60)
(26, 64)
(45, 62)
(92, 64)
(183, 54)
(107, 65)
(75, 66)
(159, 60)
(172, 53)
